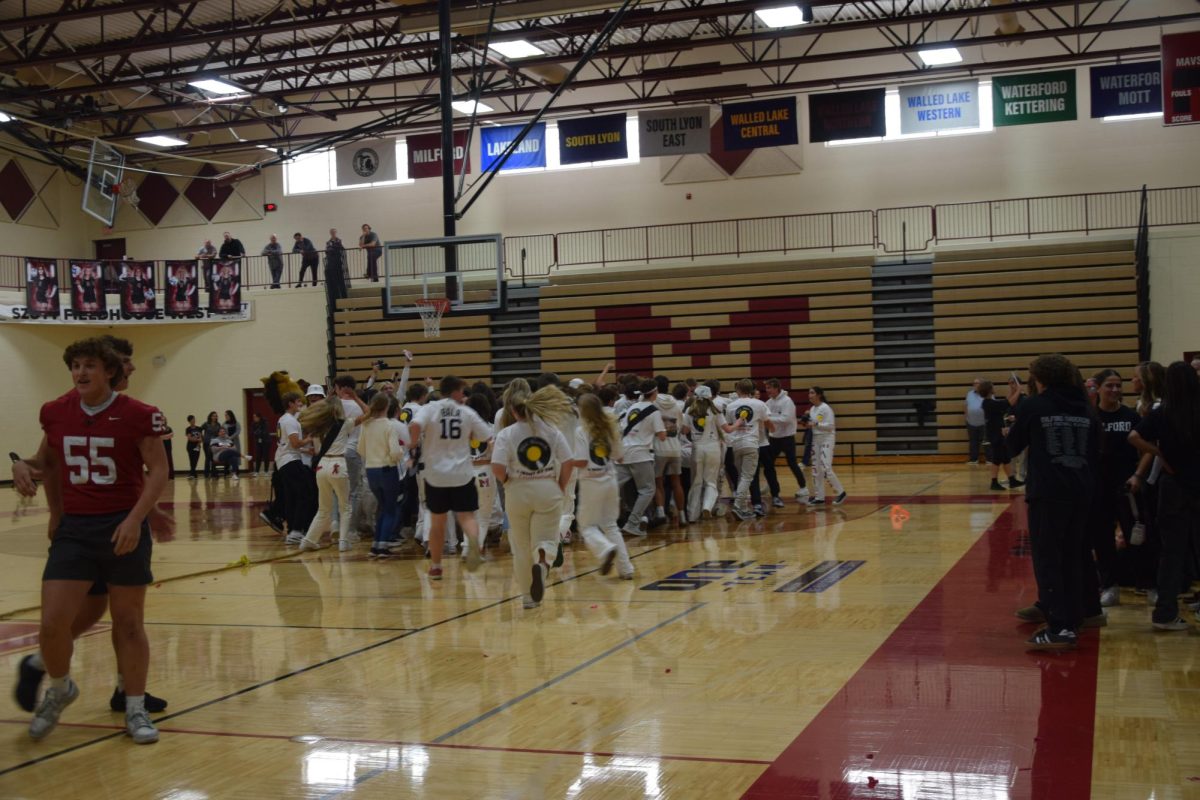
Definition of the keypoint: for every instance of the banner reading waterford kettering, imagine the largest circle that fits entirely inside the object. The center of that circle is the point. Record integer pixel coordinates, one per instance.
(425, 155)
(367, 161)
(673, 132)
(530, 153)
(1029, 99)
(1126, 89)
(761, 123)
(939, 106)
(846, 115)
(592, 139)
(1181, 78)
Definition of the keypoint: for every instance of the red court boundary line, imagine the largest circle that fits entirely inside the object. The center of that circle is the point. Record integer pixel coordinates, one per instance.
(400, 743)
(951, 703)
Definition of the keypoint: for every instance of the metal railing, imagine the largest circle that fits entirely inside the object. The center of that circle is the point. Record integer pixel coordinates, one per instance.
(905, 229)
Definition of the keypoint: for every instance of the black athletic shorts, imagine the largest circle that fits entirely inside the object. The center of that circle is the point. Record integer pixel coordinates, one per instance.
(444, 499)
(82, 550)
(997, 452)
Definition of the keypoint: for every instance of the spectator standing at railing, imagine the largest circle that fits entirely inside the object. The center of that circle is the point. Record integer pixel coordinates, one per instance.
(205, 256)
(273, 250)
(335, 266)
(231, 249)
(308, 257)
(369, 241)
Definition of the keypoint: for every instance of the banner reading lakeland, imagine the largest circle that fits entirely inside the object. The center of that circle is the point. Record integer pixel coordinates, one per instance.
(761, 123)
(425, 155)
(1181, 78)
(530, 153)
(1126, 89)
(846, 115)
(939, 106)
(592, 139)
(674, 132)
(1030, 99)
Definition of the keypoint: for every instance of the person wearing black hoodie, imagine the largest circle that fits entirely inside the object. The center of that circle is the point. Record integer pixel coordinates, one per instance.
(1061, 433)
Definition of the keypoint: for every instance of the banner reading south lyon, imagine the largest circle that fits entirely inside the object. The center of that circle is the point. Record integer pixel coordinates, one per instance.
(674, 132)
(761, 123)
(592, 139)
(1029, 99)
(939, 106)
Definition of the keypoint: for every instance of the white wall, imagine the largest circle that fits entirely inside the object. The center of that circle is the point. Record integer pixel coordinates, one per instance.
(1174, 293)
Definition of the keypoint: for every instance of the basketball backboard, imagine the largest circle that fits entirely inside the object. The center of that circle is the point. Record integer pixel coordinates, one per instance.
(469, 270)
(106, 168)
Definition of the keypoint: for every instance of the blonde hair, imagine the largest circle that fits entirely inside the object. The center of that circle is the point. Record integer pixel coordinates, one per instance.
(548, 403)
(704, 407)
(600, 426)
(320, 417)
(517, 386)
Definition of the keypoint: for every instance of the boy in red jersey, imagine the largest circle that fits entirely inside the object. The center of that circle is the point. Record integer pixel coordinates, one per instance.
(98, 444)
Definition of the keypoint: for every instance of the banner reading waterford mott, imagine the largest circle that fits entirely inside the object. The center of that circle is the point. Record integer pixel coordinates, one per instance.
(846, 115)
(592, 139)
(931, 107)
(529, 154)
(1126, 89)
(1034, 98)
(761, 123)
(673, 132)
(1181, 78)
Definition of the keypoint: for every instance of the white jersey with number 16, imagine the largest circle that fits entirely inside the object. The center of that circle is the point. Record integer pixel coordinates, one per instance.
(447, 428)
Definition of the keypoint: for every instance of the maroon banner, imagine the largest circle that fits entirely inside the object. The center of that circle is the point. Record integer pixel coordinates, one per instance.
(183, 295)
(87, 287)
(41, 287)
(225, 294)
(136, 280)
(425, 155)
(1181, 78)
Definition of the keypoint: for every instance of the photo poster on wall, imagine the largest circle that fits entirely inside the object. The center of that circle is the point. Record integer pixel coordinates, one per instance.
(87, 287)
(530, 153)
(1181, 78)
(760, 123)
(1119, 89)
(1034, 98)
(136, 280)
(425, 155)
(41, 287)
(182, 291)
(846, 115)
(225, 296)
(582, 141)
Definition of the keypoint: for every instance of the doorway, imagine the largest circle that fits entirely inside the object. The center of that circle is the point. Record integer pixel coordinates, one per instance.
(109, 249)
(256, 403)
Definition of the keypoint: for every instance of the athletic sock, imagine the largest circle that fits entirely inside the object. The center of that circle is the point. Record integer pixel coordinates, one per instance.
(60, 684)
(135, 703)
(36, 662)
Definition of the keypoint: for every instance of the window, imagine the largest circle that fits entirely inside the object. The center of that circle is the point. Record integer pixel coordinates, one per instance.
(317, 172)
(891, 111)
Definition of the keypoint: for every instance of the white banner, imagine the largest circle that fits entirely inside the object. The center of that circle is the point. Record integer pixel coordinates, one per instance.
(368, 161)
(674, 132)
(939, 106)
(69, 316)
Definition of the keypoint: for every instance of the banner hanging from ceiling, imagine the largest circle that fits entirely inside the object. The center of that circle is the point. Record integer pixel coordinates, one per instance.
(1119, 89)
(41, 287)
(846, 115)
(592, 139)
(931, 107)
(1181, 78)
(1034, 98)
(136, 283)
(529, 154)
(368, 161)
(87, 287)
(425, 155)
(674, 132)
(761, 123)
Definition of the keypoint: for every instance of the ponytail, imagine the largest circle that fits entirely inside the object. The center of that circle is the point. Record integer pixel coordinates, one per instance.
(600, 426)
(548, 403)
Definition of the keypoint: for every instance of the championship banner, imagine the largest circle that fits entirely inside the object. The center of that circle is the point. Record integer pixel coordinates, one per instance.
(182, 294)
(1035, 98)
(529, 154)
(673, 132)
(930, 107)
(41, 286)
(225, 296)
(592, 139)
(137, 288)
(1181, 78)
(425, 155)
(1120, 89)
(760, 123)
(846, 115)
(367, 161)
(87, 287)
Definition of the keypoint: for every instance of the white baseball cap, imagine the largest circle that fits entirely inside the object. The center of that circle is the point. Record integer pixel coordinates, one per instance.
(315, 390)
(703, 391)
(576, 383)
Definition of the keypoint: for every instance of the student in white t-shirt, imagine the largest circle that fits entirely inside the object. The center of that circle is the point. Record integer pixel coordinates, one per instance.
(330, 431)
(641, 425)
(444, 429)
(706, 424)
(293, 479)
(668, 452)
(481, 459)
(533, 461)
(782, 440)
(412, 506)
(382, 444)
(345, 387)
(823, 425)
(597, 448)
(748, 416)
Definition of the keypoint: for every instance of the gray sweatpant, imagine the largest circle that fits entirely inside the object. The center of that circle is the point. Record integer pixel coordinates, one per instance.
(642, 475)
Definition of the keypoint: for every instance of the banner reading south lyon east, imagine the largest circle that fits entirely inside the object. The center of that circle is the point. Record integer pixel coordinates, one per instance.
(592, 139)
(1181, 78)
(367, 161)
(674, 131)
(931, 107)
(761, 123)
(529, 154)
(1034, 98)
(1119, 89)
(425, 155)
(846, 115)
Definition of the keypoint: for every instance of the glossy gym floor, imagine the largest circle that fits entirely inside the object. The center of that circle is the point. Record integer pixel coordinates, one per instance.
(864, 651)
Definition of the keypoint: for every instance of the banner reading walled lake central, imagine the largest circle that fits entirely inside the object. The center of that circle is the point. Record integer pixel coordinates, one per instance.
(761, 123)
(674, 132)
(1030, 99)
(530, 153)
(930, 107)
(592, 139)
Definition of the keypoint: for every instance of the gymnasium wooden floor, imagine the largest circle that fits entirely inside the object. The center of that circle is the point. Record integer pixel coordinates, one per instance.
(867, 651)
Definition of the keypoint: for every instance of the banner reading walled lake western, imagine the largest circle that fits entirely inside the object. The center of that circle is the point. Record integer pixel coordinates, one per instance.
(366, 162)
(592, 139)
(1181, 78)
(1126, 89)
(1034, 98)
(674, 132)
(530, 153)
(762, 123)
(846, 115)
(939, 106)
(425, 155)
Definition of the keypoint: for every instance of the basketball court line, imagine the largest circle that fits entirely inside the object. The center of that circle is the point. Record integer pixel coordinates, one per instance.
(256, 625)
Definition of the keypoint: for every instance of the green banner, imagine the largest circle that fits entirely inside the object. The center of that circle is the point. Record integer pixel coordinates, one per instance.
(1029, 99)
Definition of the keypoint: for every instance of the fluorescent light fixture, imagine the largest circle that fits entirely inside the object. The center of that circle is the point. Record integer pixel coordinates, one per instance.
(470, 107)
(267, 147)
(940, 56)
(213, 86)
(162, 141)
(1143, 115)
(518, 49)
(781, 16)
(5, 117)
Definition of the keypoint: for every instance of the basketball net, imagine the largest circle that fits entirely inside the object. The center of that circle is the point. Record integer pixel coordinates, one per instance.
(126, 190)
(431, 310)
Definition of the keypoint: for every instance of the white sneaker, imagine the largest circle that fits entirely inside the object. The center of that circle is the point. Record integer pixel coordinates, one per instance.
(140, 728)
(802, 494)
(294, 538)
(235, 480)
(53, 703)
(307, 545)
(344, 545)
(1111, 597)
(472, 555)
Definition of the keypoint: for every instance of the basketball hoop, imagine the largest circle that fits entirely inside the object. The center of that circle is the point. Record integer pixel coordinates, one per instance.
(126, 190)
(431, 310)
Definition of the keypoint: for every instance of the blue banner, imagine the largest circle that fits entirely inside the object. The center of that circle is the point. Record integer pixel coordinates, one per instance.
(1126, 89)
(530, 153)
(761, 123)
(592, 139)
